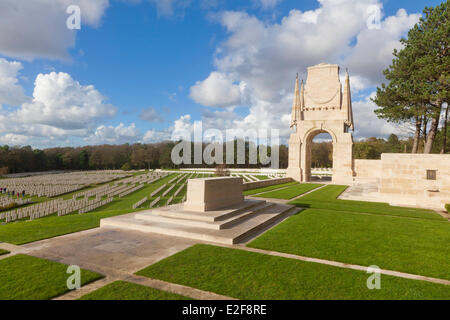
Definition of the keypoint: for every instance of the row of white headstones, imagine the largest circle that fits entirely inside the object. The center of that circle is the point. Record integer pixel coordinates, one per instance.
(53, 185)
(6, 200)
(179, 180)
(82, 201)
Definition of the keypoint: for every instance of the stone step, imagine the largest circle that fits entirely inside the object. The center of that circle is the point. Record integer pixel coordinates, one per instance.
(252, 229)
(243, 230)
(216, 225)
(177, 211)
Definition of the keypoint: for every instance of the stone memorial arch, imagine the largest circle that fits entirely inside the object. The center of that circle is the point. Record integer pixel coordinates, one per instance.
(321, 106)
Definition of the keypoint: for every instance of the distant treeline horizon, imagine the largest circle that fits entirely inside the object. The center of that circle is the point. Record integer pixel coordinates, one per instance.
(158, 155)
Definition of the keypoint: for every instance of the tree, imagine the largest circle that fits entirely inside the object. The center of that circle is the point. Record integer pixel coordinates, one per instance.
(419, 76)
(322, 155)
(445, 131)
(83, 160)
(393, 144)
(428, 42)
(126, 166)
(396, 100)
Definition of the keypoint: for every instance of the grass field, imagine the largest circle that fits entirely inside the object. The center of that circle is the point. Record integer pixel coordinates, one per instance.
(29, 231)
(269, 188)
(2, 252)
(290, 192)
(417, 246)
(121, 290)
(248, 275)
(325, 198)
(24, 277)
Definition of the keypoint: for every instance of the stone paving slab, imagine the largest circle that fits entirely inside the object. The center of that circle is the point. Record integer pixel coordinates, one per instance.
(108, 251)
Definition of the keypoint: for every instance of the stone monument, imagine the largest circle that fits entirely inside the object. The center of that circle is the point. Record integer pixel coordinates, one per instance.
(213, 193)
(322, 106)
(215, 210)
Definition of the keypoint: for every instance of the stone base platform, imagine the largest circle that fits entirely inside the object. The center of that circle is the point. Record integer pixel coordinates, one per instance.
(229, 226)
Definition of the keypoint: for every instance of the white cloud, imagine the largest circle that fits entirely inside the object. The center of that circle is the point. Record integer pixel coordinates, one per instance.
(10, 91)
(153, 135)
(170, 7)
(11, 139)
(182, 125)
(150, 115)
(218, 90)
(62, 102)
(114, 135)
(60, 109)
(267, 4)
(37, 29)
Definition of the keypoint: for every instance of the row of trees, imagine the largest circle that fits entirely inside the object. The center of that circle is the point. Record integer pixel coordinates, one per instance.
(418, 88)
(136, 156)
(158, 155)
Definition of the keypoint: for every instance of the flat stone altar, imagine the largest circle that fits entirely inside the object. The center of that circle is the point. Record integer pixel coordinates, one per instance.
(209, 194)
(215, 211)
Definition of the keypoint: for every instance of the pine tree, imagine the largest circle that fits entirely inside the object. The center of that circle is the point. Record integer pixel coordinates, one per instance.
(419, 76)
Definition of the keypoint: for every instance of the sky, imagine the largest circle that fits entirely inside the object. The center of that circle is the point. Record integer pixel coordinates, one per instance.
(141, 71)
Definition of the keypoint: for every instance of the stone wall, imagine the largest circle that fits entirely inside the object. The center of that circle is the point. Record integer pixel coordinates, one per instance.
(367, 170)
(265, 183)
(404, 179)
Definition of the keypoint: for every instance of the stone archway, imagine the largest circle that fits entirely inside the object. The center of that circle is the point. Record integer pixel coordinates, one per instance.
(322, 106)
(309, 141)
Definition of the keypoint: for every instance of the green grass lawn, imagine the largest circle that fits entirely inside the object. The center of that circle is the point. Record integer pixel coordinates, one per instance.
(2, 252)
(52, 226)
(248, 275)
(325, 198)
(121, 290)
(269, 188)
(290, 192)
(417, 246)
(24, 277)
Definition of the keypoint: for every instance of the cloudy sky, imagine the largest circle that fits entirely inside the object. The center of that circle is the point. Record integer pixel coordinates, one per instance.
(139, 70)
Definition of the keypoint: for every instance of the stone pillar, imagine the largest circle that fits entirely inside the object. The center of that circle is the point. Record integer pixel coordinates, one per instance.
(343, 160)
(294, 165)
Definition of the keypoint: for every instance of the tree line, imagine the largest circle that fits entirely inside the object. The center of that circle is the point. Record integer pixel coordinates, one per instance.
(158, 155)
(125, 157)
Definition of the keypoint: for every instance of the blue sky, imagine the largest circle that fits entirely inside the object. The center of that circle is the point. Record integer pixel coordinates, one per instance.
(143, 69)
